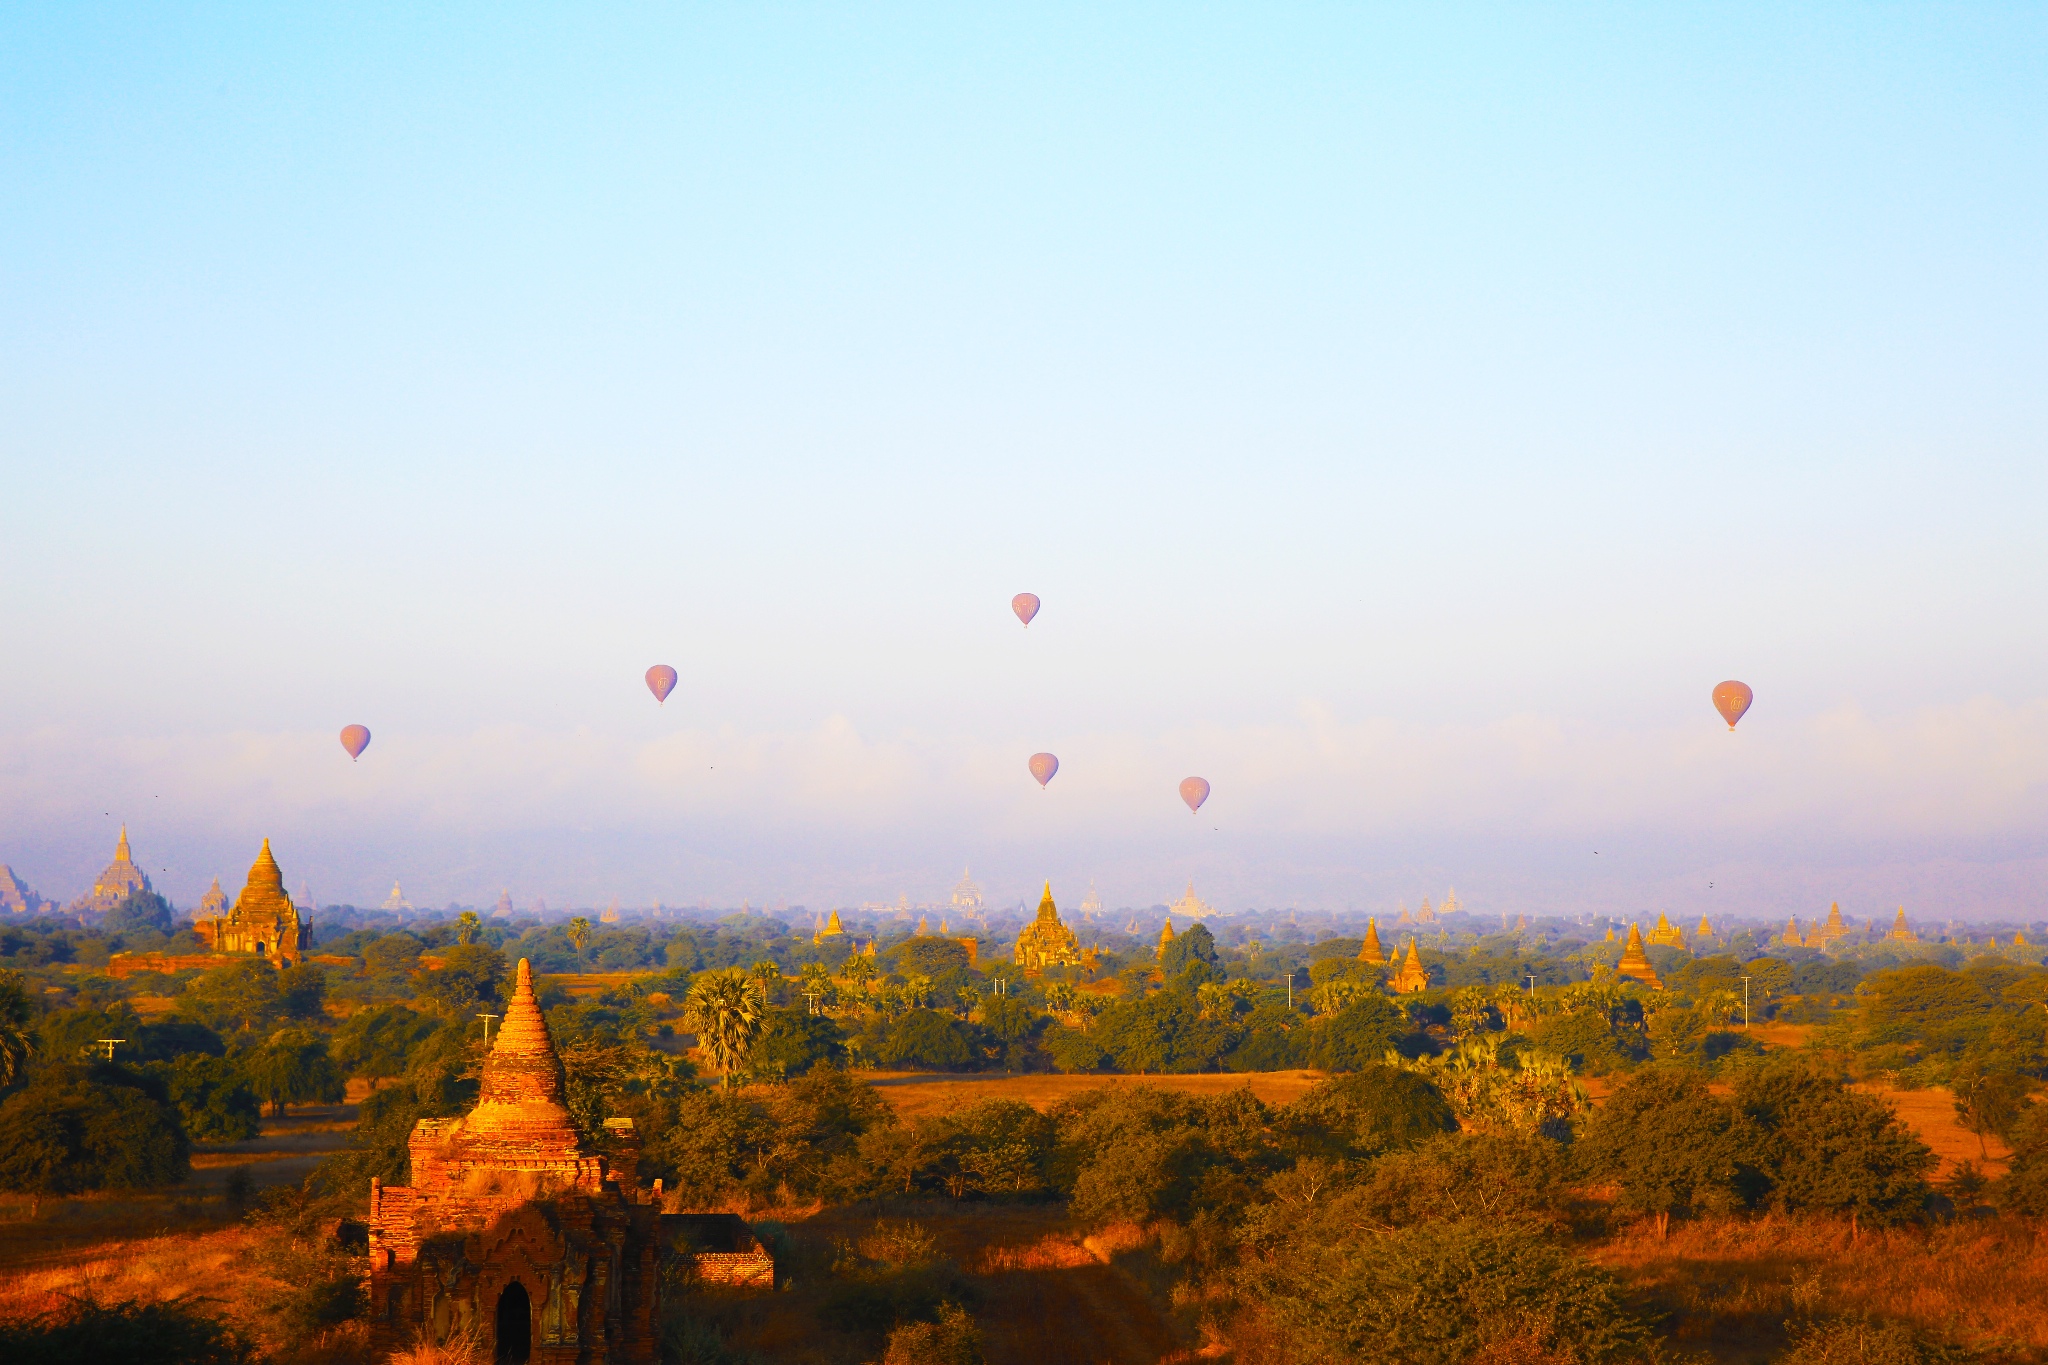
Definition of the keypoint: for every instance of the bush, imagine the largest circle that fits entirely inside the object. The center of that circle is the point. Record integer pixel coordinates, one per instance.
(1376, 1109)
(1358, 1036)
(1442, 1293)
(1830, 1148)
(952, 1340)
(171, 1332)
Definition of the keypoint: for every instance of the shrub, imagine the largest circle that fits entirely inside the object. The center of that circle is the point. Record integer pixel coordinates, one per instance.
(952, 1340)
(1443, 1293)
(171, 1332)
(1830, 1148)
(1373, 1110)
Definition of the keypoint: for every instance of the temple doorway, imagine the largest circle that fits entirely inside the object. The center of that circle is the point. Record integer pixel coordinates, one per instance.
(515, 1325)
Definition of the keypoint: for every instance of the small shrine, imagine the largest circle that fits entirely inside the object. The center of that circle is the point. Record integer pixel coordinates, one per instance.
(518, 1226)
(1412, 975)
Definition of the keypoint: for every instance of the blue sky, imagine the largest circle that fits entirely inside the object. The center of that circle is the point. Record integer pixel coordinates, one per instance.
(1407, 418)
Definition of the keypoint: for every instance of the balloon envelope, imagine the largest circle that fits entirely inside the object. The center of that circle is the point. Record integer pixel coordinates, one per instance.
(1731, 699)
(1025, 604)
(355, 739)
(1043, 766)
(1194, 791)
(661, 680)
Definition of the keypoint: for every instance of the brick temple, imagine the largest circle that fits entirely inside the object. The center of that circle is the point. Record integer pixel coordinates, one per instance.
(515, 1224)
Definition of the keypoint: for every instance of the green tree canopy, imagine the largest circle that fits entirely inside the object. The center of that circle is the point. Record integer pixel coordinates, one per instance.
(1670, 1145)
(139, 913)
(1359, 1035)
(293, 1067)
(1192, 945)
(1375, 1109)
(929, 956)
(469, 979)
(78, 1127)
(1163, 1032)
(1827, 1147)
(378, 1043)
(240, 997)
(792, 1041)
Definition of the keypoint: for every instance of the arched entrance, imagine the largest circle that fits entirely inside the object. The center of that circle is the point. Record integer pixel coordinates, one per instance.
(515, 1325)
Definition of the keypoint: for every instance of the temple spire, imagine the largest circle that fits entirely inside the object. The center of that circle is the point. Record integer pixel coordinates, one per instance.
(121, 853)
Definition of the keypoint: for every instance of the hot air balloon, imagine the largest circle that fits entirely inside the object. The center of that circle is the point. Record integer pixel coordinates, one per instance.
(1043, 766)
(1025, 604)
(661, 680)
(1194, 791)
(355, 739)
(1731, 699)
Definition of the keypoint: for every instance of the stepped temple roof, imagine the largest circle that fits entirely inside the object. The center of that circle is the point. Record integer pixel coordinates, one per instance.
(1666, 934)
(1046, 942)
(1370, 950)
(1635, 963)
(117, 881)
(1165, 937)
(1899, 930)
(263, 921)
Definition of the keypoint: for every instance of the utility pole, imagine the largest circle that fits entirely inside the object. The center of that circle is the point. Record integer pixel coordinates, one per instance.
(108, 1044)
(487, 1026)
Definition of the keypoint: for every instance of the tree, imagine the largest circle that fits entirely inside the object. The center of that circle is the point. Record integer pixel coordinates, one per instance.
(726, 1011)
(81, 1127)
(240, 996)
(469, 979)
(467, 927)
(1830, 1148)
(302, 990)
(930, 956)
(1162, 1032)
(1373, 1110)
(214, 1100)
(293, 1068)
(1195, 944)
(378, 1043)
(140, 912)
(579, 933)
(928, 1040)
(1670, 1145)
(17, 1028)
(1358, 1035)
(1991, 1104)
(791, 1042)
(859, 969)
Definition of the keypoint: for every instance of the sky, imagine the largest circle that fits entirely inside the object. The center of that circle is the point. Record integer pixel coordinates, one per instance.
(1405, 417)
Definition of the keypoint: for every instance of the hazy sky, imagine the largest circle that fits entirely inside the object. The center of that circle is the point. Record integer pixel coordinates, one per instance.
(1406, 418)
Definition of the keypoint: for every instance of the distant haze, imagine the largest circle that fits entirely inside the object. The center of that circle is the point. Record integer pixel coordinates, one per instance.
(1406, 420)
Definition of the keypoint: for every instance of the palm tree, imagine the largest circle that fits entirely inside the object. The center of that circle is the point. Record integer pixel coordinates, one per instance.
(859, 969)
(817, 986)
(579, 933)
(725, 1011)
(17, 1032)
(467, 926)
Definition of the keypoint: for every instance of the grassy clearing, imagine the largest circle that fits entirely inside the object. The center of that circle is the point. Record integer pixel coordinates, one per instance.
(917, 1094)
(1730, 1285)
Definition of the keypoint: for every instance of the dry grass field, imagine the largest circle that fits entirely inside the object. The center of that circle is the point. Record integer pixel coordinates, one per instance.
(917, 1094)
(1729, 1285)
